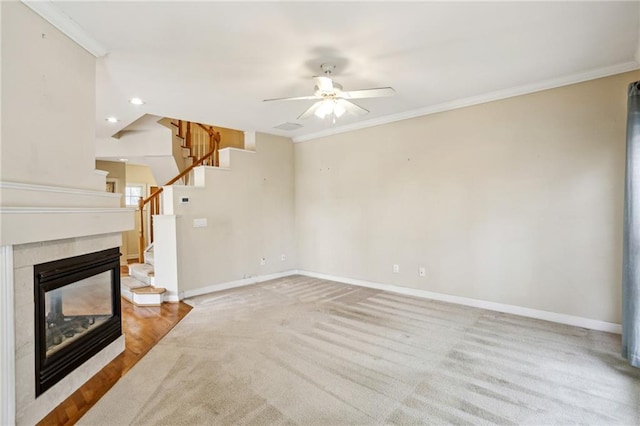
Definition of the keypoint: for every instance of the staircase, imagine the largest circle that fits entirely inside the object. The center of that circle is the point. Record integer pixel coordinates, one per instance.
(139, 287)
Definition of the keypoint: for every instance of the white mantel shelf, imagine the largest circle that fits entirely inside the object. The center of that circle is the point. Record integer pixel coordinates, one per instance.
(22, 225)
(31, 213)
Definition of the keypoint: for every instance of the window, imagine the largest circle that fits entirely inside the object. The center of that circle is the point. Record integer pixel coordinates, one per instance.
(132, 194)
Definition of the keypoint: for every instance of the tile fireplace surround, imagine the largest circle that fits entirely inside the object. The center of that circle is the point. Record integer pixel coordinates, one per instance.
(29, 409)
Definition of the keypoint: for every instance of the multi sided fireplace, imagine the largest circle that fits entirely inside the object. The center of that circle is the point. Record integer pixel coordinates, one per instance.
(77, 312)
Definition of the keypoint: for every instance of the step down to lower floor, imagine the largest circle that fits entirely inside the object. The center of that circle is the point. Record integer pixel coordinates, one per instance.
(141, 294)
(148, 296)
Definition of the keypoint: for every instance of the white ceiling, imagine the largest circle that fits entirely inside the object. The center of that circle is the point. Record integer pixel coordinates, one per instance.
(215, 62)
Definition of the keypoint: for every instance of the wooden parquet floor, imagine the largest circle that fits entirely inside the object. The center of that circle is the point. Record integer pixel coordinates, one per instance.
(143, 327)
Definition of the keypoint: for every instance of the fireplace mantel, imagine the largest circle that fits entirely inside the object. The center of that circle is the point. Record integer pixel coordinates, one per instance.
(34, 213)
(42, 223)
(22, 225)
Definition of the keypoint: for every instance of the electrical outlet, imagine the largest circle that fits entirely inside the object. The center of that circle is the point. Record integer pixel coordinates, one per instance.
(263, 261)
(396, 268)
(283, 257)
(422, 272)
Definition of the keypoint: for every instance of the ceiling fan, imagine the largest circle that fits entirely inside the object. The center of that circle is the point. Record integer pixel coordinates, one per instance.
(332, 100)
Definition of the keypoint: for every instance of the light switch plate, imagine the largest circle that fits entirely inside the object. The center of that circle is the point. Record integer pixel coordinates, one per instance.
(200, 223)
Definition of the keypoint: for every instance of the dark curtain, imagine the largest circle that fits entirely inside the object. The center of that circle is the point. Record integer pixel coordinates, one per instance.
(631, 254)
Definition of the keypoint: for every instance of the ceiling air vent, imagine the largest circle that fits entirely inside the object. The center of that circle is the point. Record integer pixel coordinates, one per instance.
(288, 126)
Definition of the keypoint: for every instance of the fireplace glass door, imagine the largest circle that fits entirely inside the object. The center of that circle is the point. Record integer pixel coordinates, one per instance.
(75, 309)
(77, 312)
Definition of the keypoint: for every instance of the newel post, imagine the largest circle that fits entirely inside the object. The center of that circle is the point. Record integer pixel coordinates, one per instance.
(141, 232)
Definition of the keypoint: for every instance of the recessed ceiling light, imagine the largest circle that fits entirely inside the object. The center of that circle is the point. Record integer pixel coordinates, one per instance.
(124, 160)
(136, 101)
(112, 119)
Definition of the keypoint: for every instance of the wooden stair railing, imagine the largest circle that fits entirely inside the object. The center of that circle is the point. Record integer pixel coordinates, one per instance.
(154, 198)
(199, 140)
(213, 142)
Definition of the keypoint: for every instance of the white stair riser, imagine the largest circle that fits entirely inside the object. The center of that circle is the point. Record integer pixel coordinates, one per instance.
(147, 299)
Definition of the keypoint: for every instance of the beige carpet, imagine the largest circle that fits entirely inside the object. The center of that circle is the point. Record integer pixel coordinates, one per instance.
(305, 351)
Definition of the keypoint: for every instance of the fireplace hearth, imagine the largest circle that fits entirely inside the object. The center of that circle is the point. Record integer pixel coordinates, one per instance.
(77, 312)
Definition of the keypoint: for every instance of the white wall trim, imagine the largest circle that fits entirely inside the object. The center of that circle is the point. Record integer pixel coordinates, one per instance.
(64, 210)
(47, 10)
(170, 297)
(459, 300)
(233, 284)
(7, 339)
(475, 100)
(492, 306)
(57, 189)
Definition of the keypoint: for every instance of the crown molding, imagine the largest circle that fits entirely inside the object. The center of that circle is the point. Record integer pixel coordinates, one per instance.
(475, 100)
(47, 10)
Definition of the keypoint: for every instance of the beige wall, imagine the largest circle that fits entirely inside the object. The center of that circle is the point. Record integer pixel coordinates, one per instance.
(230, 138)
(249, 210)
(137, 174)
(47, 166)
(516, 201)
(48, 104)
(118, 173)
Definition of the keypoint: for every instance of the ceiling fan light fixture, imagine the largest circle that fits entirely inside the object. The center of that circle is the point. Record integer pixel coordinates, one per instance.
(338, 110)
(326, 107)
(332, 100)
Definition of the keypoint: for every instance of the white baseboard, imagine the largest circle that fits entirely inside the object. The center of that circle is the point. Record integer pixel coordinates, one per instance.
(171, 297)
(233, 284)
(492, 306)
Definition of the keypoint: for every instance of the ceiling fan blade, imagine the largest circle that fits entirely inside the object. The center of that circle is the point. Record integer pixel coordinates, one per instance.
(325, 84)
(299, 98)
(310, 111)
(351, 107)
(368, 93)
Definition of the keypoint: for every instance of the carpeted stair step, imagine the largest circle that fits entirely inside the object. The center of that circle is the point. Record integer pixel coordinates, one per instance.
(142, 272)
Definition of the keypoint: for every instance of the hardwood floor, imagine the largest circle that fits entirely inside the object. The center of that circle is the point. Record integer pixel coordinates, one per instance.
(143, 327)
